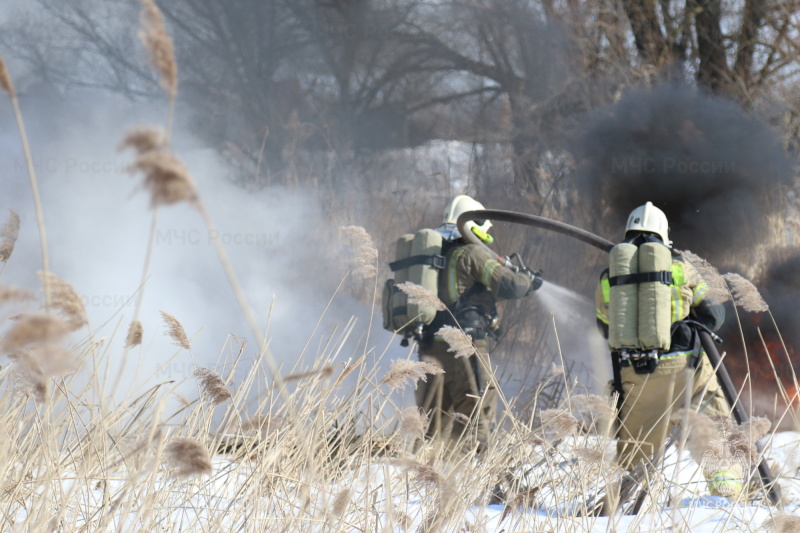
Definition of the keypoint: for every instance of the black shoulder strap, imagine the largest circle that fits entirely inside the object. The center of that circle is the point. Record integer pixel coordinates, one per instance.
(664, 276)
(436, 261)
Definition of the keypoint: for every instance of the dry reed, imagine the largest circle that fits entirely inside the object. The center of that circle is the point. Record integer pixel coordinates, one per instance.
(144, 139)
(66, 299)
(557, 424)
(135, 333)
(526, 498)
(702, 435)
(188, 457)
(594, 406)
(33, 328)
(589, 455)
(263, 425)
(340, 502)
(718, 290)
(325, 371)
(212, 386)
(8, 235)
(782, 523)
(165, 178)
(364, 255)
(159, 46)
(349, 370)
(419, 295)
(413, 423)
(457, 341)
(404, 370)
(5, 79)
(745, 294)
(10, 294)
(176, 331)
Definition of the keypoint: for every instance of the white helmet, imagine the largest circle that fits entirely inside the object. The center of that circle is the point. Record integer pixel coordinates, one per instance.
(650, 219)
(461, 204)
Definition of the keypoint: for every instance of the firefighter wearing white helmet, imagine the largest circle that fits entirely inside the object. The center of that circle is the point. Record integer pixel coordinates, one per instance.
(651, 379)
(649, 219)
(462, 403)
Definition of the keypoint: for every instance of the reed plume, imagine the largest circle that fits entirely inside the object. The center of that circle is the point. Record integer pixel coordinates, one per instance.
(364, 255)
(457, 341)
(65, 298)
(188, 457)
(5, 80)
(782, 523)
(176, 330)
(419, 295)
(589, 455)
(212, 386)
(413, 423)
(404, 370)
(594, 406)
(38, 363)
(10, 294)
(718, 290)
(703, 434)
(525, 498)
(165, 178)
(34, 344)
(8, 236)
(135, 333)
(557, 424)
(340, 502)
(33, 328)
(264, 425)
(144, 139)
(745, 294)
(159, 46)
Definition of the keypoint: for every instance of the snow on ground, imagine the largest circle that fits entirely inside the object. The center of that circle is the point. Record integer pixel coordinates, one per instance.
(383, 488)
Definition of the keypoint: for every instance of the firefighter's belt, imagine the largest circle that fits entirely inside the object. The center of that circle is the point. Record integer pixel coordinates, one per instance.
(436, 261)
(663, 276)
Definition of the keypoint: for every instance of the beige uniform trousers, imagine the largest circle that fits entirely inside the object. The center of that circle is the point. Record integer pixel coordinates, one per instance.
(455, 407)
(651, 399)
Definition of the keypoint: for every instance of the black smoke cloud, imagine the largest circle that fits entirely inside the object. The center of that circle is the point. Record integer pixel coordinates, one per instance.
(709, 165)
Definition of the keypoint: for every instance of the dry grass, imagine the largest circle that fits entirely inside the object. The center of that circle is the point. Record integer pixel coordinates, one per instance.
(135, 333)
(212, 386)
(419, 295)
(404, 372)
(8, 236)
(5, 79)
(159, 46)
(175, 330)
(165, 178)
(188, 457)
(144, 139)
(65, 299)
(745, 294)
(458, 342)
(363, 254)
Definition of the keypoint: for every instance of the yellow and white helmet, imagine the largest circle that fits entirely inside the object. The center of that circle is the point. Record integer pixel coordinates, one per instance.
(650, 219)
(461, 204)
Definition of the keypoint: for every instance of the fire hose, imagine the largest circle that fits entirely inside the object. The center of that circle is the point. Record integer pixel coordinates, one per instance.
(740, 415)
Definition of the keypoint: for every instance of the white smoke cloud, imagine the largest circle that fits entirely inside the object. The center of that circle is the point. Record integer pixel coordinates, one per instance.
(98, 221)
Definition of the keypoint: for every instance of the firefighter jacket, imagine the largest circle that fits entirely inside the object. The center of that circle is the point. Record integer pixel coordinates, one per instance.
(471, 284)
(689, 292)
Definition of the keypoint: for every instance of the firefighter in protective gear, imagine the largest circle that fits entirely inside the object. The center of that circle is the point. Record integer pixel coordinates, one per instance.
(462, 403)
(650, 399)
